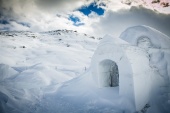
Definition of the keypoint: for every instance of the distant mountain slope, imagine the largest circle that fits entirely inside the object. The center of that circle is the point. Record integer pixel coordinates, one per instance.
(162, 6)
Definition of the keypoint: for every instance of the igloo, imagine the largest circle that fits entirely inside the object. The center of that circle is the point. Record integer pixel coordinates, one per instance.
(118, 64)
(137, 63)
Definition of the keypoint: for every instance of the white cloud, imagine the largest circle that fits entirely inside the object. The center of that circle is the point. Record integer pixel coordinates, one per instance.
(59, 5)
(41, 14)
(17, 27)
(115, 22)
(44, 15)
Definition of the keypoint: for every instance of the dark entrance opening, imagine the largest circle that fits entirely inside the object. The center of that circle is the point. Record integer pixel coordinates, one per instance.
(108, 73)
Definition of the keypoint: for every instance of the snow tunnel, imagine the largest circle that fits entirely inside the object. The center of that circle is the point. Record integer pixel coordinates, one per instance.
(108, 73)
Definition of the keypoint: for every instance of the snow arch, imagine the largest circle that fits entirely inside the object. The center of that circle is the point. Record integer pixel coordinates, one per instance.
(132, 79)
(110, 53)
(108, 73)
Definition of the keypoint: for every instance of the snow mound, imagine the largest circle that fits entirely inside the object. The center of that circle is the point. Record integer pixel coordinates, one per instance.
(6, 72)
(140, 34)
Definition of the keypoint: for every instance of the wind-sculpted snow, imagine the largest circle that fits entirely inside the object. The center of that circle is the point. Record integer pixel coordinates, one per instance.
(32, 64)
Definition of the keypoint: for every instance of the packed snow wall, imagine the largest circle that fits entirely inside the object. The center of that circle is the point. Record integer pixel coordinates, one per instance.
(129, 64)
(142, 73)
(157, 45)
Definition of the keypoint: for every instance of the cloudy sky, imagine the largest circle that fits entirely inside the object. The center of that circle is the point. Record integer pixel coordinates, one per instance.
(95, 17)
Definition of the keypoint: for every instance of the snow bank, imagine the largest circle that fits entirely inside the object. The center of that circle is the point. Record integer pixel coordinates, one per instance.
(6, 72)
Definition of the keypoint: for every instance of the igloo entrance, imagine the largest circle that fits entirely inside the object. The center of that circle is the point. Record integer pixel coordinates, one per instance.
(108, 74)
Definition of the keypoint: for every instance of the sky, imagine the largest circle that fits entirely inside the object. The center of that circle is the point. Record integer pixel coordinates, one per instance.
(94, 17)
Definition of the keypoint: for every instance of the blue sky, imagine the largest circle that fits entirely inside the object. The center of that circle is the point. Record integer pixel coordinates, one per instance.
(76, 21)
(86, 10)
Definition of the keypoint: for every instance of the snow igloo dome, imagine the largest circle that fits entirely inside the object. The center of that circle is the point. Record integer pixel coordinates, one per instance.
(138, 63)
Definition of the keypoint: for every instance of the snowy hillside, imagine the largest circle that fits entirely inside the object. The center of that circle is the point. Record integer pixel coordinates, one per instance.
(63, 71)
(156, 5)
(31, 63)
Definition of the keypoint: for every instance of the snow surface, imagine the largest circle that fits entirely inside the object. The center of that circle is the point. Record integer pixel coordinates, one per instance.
(32, 64)
(40, 72)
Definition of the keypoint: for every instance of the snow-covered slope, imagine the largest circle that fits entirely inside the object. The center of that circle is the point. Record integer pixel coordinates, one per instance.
(39, 72)
(31, 63)
(162, 6)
